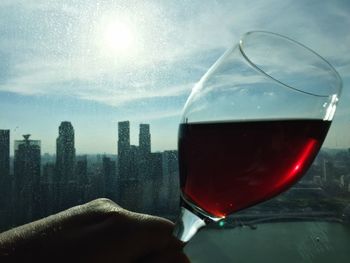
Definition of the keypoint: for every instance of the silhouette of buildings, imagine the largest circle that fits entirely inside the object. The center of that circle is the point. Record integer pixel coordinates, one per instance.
(65, 166)
(47, 189)
(123, 150)
(126, 179)
(145, 139)
(136, 178)
(140, 171)
(144, 152)
(110, 176)
(170, 190)
(82, 178)
(27, 165)
(156, 182)
(5, 180)
(4, 153)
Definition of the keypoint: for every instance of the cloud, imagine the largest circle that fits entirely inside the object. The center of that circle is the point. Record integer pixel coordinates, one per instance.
(65, 60)
(118, 97)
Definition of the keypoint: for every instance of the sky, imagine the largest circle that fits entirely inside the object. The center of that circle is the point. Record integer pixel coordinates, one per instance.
(95, 63)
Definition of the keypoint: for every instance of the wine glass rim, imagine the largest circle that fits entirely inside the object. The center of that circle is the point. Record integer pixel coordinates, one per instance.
(241, 49)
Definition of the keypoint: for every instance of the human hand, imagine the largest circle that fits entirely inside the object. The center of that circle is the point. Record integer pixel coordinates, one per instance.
(99, 231)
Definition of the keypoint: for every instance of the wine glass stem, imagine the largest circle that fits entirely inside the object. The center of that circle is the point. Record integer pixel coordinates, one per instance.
(187, 225)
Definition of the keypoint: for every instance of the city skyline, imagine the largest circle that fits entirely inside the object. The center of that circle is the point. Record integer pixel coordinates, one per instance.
(136, 136)
(134, 140)
(37, 188)
(70, 61)
(39, 185)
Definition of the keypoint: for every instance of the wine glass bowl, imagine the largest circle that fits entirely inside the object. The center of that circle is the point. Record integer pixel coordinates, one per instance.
(252, 126)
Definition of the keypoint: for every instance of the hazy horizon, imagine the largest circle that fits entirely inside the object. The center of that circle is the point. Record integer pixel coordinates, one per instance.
(98, 63)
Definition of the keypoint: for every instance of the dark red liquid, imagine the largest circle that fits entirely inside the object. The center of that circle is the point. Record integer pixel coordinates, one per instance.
(228, 166)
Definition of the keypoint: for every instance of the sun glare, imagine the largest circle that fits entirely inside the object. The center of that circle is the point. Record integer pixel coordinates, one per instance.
(118, 37)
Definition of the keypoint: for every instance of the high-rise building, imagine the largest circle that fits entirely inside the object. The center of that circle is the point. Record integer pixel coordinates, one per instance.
(4, 153)
(145, 139)
(130, 187)
(124, 163)
(123, 137)
(109, 173)
(151, 185)
(144, 152)
(5, 180)
(27, 162)
(134, 159)
(65, 165)
(65, 152)
(123, 149)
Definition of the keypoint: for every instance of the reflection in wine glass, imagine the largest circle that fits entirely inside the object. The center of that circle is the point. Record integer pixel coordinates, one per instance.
(252, 126)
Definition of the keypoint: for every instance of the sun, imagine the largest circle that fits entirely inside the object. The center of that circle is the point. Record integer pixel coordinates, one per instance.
(118, 37)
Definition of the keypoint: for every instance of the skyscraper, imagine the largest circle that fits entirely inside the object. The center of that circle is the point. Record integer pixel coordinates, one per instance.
(124, 162)
(27, 164)
(123, 149)
(5, 181)
(144, 151)
(65, 165)
(123, 137)
(4, 153)
(145, 139)
(65, 152)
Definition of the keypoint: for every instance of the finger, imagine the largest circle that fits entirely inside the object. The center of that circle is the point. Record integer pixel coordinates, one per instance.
(157, 231)
(150, 234)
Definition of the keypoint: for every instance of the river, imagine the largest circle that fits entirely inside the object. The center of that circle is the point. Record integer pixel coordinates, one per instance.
(273, 242)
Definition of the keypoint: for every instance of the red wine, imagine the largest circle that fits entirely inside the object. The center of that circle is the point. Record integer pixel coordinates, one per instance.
(229, 166)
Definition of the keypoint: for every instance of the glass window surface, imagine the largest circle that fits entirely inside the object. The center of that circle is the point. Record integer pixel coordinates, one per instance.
(91, 94)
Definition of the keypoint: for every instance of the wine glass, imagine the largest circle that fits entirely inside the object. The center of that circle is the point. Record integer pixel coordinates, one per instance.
(252, 126)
